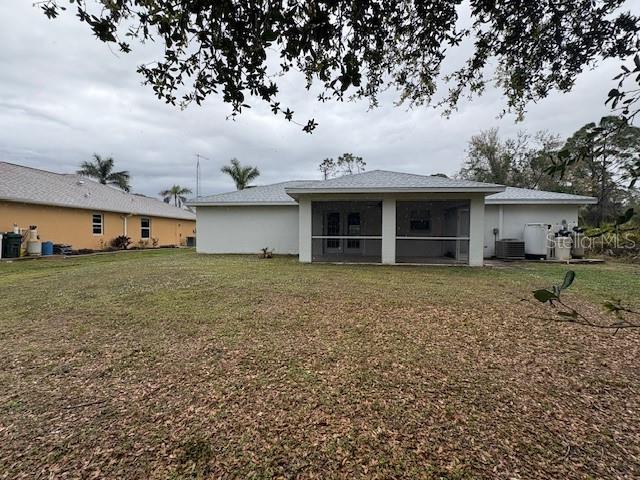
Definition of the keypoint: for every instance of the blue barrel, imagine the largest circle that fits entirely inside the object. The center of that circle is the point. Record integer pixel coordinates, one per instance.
(47, 248)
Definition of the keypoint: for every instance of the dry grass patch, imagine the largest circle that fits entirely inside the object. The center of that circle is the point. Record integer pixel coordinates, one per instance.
(172, 365)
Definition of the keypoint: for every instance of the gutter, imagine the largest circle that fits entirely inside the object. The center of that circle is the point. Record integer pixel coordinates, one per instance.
(585, 201)
(240, 204)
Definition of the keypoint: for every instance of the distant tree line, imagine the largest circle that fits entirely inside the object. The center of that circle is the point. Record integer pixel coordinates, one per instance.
(600, 160)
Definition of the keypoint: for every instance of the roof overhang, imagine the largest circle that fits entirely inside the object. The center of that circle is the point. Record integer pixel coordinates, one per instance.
(93, 208)
(241, 204)
(297, 192)
(585, 201)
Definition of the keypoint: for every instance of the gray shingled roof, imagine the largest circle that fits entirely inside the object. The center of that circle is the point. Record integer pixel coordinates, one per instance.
(526, 195)
(386, 181)
(30, 185)
(276, 194)
(273, 194)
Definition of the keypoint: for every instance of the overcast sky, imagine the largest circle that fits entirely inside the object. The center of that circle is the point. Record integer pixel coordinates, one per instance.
(64, 95)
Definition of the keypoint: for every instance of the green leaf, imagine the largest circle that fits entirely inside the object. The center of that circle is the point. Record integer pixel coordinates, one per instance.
(269, 36)
(543, 295)
(569, 277)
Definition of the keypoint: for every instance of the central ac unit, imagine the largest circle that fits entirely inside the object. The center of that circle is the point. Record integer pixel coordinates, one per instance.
(510, 249)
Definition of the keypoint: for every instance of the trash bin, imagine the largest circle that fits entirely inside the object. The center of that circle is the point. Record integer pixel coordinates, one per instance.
(47, 249)
(563, 247)
(577, 249)
(11, 245)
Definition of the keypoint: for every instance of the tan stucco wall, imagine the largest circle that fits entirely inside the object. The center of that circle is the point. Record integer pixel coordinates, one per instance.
(74, 226)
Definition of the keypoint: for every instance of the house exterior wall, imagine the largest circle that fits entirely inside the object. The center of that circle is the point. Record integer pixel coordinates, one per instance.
(514, 218)
(73, 226)
(247, 229)
(288, 229)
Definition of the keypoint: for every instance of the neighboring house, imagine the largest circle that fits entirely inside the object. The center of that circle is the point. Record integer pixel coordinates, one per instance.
(75, 210)
(377, 216)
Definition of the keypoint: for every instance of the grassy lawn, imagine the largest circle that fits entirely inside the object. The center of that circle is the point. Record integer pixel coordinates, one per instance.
(166, 364)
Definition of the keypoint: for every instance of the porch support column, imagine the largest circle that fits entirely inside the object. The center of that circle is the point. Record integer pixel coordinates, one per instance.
(304, 225)
(389, 231)
(476, 231)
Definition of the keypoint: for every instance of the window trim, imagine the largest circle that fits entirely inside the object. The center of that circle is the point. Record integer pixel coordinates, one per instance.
(143, 228)
(94, 224)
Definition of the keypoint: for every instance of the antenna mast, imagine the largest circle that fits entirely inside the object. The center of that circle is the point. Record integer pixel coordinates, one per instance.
(198, 157)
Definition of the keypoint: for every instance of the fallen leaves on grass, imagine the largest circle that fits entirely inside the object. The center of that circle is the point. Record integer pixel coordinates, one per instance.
(244, 369)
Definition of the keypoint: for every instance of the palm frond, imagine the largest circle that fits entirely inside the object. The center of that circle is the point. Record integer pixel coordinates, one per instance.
(240, 175)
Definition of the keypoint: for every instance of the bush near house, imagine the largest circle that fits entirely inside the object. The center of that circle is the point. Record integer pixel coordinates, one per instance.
(121, 242)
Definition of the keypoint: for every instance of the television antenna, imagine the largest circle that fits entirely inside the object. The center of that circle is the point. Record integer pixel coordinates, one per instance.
(198, 157)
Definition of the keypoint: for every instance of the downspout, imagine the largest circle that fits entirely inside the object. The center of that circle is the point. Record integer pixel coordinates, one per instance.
(124, 223)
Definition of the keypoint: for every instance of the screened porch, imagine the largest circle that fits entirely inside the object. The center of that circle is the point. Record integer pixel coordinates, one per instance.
(426, 231)
(346, 231)
(434, 231)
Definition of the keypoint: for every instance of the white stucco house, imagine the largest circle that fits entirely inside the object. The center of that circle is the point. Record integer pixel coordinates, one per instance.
(377, 216)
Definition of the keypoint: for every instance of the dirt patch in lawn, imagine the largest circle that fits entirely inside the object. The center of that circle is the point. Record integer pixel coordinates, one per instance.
(172, 365)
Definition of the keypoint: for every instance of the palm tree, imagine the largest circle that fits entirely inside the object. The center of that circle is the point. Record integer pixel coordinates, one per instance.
(175, 193)
(102, 170)
(241, 176)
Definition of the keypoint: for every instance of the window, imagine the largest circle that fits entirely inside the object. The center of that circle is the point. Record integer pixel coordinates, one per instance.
(333, 228)
(96, 223)
(353, 228)
(333, 223)
(145, 228)
(420, 220)
(353, 223)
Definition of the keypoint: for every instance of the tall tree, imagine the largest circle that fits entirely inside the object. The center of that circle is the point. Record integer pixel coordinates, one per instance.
(240, 175)
(348, 164)
(328, 168)
(176, 193)
(102, 170)
(516, 162)
(487, 159)
(625, 98)
(359, 48)
(602, 158)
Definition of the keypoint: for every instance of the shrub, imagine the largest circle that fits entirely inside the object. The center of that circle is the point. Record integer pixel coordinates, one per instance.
(121, 242)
